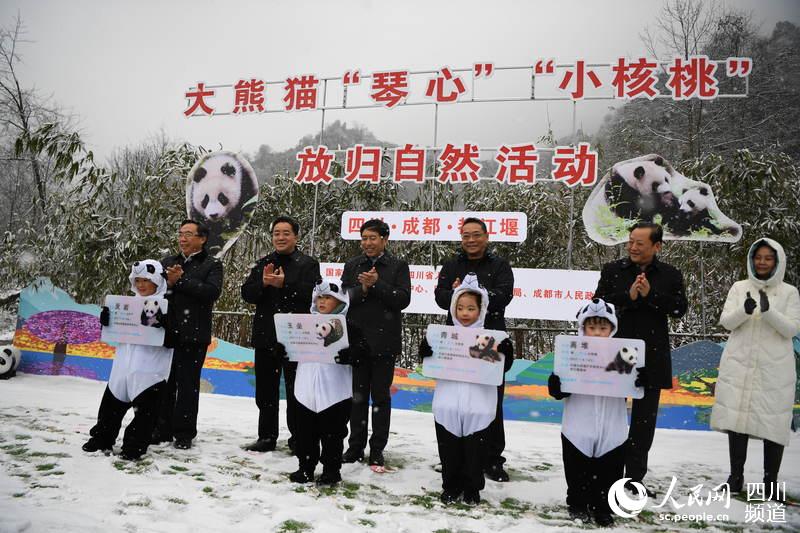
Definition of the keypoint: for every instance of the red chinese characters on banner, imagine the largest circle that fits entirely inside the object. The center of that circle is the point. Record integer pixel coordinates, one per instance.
(635, 79)
(509, 227)
(580, 74)
(445, 86)
(411, 226)
(693, 79)
(517, 163)
(459, 165)
(315, 165)
(573, 167)
(248, 96)
(409, 164)
(354, 224)
(199, 96)
(363, 164)
(301, 93)
(389, 88)
(431, 225)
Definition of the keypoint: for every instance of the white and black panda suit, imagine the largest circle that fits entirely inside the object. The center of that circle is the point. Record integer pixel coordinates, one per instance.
(219, 188)
(641, 189)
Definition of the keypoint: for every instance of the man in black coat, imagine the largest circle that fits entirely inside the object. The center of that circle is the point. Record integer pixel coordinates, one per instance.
(379, 286)
(281, 282)
(646, 293)
(496, 276)
(194, 281)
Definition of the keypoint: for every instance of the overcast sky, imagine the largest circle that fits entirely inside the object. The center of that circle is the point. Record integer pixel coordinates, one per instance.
(122, 68)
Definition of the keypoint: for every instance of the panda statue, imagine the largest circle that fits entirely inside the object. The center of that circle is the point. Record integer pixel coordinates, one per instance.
(693, 214)
(10, 357)
(624, 361)
(641, 189)
(219, 191)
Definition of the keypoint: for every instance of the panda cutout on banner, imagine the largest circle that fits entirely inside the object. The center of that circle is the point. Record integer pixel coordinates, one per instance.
(10, 357)
(649, 189)
(221, 192)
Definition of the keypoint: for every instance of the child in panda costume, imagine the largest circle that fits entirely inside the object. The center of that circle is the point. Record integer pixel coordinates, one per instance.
(324, 394)
(138, 376)
(463, 411)
(593, 430)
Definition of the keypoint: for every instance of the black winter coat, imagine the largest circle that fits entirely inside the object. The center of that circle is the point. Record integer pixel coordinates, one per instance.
(192, 298)
(493, 272)
(379, 312)
(301, 275)
(646, 318)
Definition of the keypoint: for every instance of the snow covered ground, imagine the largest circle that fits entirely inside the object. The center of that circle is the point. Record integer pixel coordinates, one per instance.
(48, 484)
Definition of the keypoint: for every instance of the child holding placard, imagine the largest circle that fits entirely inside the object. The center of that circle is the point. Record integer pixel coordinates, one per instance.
(593, 430)
(462, 411)
(138, 375)
(324, 394)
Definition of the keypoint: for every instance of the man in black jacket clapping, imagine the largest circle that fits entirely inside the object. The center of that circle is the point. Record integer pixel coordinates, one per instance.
(379, 286)
(495, 275)
(646, 293)
(281, 282)
(194, 281)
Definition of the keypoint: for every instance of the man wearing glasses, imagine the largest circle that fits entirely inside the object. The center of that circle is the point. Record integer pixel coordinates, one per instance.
(496, 276)
(194, 283)
(281, 282)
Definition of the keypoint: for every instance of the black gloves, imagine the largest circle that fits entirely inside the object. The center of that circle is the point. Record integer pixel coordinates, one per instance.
(279, 351)
(750, 304)
(507, 349)
(554, 388)
(641, 378)
(424, 349)
(347, 356)
(764, 301)
(105, 316)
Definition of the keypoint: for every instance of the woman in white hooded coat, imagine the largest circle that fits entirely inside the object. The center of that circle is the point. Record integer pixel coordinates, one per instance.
(138, 376)
(756, 385)
(463, 411)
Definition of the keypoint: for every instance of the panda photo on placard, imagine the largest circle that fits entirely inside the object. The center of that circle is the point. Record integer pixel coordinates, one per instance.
(221, 192)
(649, 189)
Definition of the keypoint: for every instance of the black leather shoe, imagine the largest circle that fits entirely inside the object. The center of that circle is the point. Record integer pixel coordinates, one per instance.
(261, 445)
(735, 483)
(129, 456)
(93, 445)
(603, 519)
(329, 478)
(353, 456)
(579, 513)
(183, 444)
(472, 498)
(301, 476)
(376, 458)
(449, 497)
(496, 473)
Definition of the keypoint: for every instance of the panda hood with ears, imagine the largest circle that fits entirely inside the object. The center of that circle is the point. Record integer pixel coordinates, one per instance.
(330, 287)
(776, 278)
(152, 270)
(599, 308)
(470, 284)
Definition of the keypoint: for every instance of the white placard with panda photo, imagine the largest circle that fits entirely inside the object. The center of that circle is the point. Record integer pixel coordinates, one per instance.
(599, 366)
(135, 320)
(464, 354)
(313, 338)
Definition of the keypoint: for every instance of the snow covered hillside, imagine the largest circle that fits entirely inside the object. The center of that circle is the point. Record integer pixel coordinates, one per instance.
(48, 484)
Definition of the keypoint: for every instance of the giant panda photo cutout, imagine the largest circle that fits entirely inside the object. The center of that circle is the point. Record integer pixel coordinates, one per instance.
(221, 192)
(649, 189)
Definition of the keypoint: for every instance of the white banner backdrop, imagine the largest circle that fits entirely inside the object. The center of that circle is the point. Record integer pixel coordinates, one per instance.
(438, 225)
(544, 294)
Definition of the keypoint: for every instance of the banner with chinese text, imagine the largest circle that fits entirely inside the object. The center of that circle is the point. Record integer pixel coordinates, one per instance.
(599, 366)
(464, 354)
(311, 338)
(437, 225)
(135, 320)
